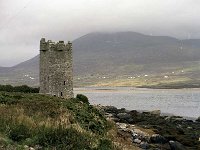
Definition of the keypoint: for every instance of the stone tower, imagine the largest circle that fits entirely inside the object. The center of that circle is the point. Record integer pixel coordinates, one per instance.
(56, 75)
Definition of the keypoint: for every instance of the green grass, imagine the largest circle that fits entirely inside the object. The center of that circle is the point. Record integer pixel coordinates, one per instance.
(52, 123)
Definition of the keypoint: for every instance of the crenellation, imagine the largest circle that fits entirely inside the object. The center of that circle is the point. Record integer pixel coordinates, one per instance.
(60, 46)
(43, 45)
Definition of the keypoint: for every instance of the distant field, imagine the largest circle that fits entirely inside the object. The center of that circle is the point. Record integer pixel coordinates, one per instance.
(168, 75)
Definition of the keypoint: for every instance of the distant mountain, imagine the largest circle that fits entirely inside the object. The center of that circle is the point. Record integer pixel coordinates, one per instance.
(101, 52)
(116, 54)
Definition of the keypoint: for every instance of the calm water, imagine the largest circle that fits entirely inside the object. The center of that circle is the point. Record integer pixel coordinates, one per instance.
(184, 102)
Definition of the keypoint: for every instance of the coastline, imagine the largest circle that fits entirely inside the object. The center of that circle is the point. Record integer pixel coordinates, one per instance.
(151, 130)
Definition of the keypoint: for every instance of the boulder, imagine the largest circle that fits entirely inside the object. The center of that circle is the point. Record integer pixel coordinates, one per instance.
(138, 134)
(122, 125)
(26, 147)
(165, 146)
(155, 112)
(38, 147)
(144, 145)
(138, 141)
(108, 115)
(158, 139)
(174, 145)
(124, 116)
(177, 119)
(123, 110)
(198, 119)
(115, 119)
(110, 109)
(130, 120)
(133, 113)
(125, 135)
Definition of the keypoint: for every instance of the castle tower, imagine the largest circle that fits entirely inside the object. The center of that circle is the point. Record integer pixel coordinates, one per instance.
(56, 75)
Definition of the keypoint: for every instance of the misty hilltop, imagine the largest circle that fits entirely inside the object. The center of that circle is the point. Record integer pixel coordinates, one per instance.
(118, 56)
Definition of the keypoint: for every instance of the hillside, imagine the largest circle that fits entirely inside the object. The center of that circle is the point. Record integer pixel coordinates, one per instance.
(118, 56)
(44, 122)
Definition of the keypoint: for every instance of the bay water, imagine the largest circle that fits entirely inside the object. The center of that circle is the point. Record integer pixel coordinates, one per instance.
(181, 102)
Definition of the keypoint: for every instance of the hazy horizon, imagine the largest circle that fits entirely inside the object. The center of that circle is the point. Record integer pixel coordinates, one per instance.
(26, 21)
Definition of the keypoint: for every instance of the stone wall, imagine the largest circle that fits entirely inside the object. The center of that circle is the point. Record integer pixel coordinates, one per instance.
(56, 72)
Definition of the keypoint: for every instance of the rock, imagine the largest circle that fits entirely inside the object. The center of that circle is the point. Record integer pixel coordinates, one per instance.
(125, 135)
(130, 120)
(198, 119)
(26, 147)
(170, 137)
(115, 119)
(122, 125)
(108, 115)
(165, 146)
(31, 148)
(138, 141)
(133, 113)
(138, 134)
(124, 116)
(155, 112)
(156, 138)
(122, 110)
(168, 118)
(174, 145)
(135, 135)
(178, 119)
(189, 127)
(38, 147)
(175, 118)
(188, 121)
(144, 145)
(110, 109)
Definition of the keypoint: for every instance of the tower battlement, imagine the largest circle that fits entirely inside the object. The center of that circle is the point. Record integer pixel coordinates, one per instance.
(56, 77)
(60, 46)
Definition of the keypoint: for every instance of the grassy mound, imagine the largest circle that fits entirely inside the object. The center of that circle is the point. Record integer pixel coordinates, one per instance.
(51, 123)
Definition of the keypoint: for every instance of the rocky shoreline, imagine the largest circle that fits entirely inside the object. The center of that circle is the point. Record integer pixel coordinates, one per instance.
(150, 130)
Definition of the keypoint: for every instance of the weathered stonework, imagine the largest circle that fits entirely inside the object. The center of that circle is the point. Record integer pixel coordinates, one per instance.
(56, 72)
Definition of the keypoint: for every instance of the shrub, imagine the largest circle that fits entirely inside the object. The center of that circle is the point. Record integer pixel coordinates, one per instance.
(22, 88)
(88, 117)
(25, 89)
(105, 144)
(7, 88)
(82, 98)
(63, 139)
(19, 132)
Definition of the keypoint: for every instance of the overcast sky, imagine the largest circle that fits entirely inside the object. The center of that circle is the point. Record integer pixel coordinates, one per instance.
(24, 22)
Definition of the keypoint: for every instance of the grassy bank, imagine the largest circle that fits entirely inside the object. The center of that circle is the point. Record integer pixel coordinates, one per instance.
(46, 122)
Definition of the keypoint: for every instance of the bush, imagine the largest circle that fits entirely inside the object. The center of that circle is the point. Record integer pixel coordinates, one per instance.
(22, 88)
(7, 88)
(88, 117)
(63, 139)
(105, 144)
(82, 98)
(19, 132)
